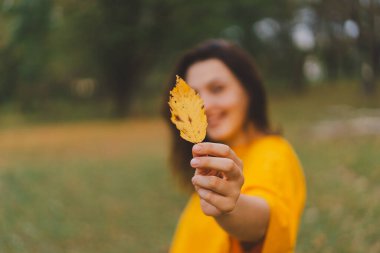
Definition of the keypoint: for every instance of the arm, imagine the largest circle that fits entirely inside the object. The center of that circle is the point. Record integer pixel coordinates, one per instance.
(218, 180)
(249, 219)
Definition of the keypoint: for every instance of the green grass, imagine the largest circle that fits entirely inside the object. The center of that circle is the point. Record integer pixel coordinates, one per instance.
(86, 187)
(104, 186)
(343, 196)
(102, 207)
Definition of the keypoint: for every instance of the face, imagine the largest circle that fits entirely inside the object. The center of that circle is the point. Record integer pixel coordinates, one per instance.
(226, 101)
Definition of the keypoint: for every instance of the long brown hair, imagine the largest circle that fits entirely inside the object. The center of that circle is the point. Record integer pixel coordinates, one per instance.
(243, 67)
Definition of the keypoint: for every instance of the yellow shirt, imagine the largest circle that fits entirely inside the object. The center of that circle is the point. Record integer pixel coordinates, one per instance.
(271, 171)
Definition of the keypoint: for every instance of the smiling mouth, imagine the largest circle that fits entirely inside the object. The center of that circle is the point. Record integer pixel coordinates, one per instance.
(213, 120)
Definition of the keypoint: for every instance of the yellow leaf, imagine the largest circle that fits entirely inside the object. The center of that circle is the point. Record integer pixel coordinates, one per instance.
(188, 113)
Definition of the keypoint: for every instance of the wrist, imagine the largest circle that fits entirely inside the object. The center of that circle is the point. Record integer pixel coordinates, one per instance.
(231, 212)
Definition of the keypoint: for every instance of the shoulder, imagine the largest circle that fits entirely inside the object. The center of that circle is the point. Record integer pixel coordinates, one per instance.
(271, 145)
(271, 162)
(271, 154)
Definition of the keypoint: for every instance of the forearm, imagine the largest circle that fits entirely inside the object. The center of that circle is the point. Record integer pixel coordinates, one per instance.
(249, 219)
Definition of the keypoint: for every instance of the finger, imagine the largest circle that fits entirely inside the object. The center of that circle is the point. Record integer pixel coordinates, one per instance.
(223, 204)
(215, 149)
(225, 165)
(208, 172)
(209, 209)
(212, 183)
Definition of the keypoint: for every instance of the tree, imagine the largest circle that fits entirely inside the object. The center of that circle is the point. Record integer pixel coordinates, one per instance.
(26, 53)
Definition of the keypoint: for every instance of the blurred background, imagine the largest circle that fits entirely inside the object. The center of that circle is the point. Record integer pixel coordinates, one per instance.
(83, 148)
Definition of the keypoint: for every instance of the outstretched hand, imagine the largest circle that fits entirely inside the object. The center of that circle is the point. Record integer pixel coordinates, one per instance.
(218, 177)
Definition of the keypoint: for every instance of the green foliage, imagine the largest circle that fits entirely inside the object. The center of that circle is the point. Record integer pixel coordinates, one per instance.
(25, 57)
(105, 186)
(97, 50)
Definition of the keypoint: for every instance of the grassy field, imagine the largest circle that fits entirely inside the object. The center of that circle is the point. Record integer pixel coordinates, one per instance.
(103, 186)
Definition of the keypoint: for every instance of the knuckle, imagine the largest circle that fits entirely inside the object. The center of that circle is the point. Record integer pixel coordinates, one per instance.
(208, 196)
(194, 180)
(206, 147)
(206, 161)
(202, 161)
(214, 182)
(230, 164)
(225, 150)
(236, 194)
(228, 207)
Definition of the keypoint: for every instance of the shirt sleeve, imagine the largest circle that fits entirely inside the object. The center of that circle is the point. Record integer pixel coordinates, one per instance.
(272, 172)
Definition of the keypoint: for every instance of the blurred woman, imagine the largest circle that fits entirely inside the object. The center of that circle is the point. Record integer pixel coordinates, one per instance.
(248, 185)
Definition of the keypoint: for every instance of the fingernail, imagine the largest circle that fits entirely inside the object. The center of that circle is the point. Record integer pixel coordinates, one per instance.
(197, 148)
(202, 192)
(194, 162)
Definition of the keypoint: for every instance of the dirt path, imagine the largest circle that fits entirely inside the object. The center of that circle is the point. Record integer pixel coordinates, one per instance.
(89, 140)
(348, 122)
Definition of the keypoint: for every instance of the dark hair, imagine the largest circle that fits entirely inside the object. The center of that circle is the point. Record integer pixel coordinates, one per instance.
(243, 67)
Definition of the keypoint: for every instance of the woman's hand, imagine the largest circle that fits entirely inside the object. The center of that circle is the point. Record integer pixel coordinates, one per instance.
(218, 177)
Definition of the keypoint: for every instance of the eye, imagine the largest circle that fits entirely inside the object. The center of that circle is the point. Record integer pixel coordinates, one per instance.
(216, 88)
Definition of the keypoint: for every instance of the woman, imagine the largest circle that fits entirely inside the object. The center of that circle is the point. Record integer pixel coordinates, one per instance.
(255, 207)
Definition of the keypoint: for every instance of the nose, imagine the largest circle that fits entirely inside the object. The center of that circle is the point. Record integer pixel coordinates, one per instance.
(207, 102)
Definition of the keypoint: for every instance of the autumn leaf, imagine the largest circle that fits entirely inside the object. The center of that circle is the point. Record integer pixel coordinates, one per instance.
(187, 112)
